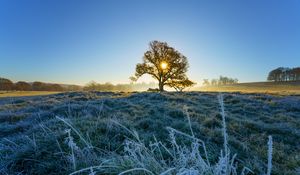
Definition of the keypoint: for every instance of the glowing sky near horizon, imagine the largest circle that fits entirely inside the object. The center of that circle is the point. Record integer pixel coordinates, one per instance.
(76, 41)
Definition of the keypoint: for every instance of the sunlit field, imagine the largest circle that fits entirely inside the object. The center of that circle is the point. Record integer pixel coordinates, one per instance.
(24, 93)
(281, 88)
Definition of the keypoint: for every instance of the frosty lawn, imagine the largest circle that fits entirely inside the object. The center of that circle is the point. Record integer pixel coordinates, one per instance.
(140, 133)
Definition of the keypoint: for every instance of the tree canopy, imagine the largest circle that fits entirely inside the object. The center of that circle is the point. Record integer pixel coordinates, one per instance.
(22, 86)
(284, 74)
(166, 65)
(223, 80)
(6, 84)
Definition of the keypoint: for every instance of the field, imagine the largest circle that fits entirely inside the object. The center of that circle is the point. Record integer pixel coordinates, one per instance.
(109, 133)
(24, 93)
(258, 87)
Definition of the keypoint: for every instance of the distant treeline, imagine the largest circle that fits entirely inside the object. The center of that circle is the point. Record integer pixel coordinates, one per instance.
(223, 80)
(93, 86)
(8, 85)
(284, 74)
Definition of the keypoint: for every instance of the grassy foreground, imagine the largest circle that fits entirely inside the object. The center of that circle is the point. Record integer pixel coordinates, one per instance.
(111, 133)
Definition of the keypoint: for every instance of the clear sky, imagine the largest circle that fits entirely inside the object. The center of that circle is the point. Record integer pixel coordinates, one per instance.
(76, 41)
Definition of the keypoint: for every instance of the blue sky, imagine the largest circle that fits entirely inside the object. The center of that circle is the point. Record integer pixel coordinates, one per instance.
(76, 41)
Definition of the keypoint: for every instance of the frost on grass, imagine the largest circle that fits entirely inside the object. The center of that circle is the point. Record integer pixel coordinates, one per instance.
(159, 159)
(150, 133)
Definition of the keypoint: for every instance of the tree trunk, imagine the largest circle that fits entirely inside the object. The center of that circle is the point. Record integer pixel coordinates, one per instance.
(161, 86)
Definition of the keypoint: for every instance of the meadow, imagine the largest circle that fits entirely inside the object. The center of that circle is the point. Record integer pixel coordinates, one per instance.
(150, 133)
(25, 93)
(289, 87)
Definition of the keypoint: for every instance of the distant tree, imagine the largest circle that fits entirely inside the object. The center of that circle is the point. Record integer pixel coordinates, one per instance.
(22, 86)
(296, 73)
(6, 84)
(107, 87)
(54, 87)
(206, 82)
(292, 75)
(284, 74)
(223, 80)
(91, 86)
(271, 76)
(39, 86)
(275, 75)
(214, 82)
(163, 63)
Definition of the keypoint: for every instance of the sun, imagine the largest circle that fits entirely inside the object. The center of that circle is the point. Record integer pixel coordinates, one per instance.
(163, 65)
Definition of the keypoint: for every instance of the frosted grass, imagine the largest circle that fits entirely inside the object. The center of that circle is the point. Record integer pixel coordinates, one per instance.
(178, 158)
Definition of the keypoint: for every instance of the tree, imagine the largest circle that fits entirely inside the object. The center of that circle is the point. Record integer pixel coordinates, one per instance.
(165, 64)
(296, 73)
(214, 82)
(223, 80)
(54, 87)
(206, 82)
(39, 86)
(271, 76)
(6, 84)
(275, 75)
(284, 74)
(180, 85)
(22, 86)
(91, 86)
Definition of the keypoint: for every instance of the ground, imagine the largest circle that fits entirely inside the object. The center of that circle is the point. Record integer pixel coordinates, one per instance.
(289, 87)
(33, 139)
(24, 93)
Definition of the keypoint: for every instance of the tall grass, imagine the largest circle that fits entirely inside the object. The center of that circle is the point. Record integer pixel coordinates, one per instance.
(270, 150)
(70, 150)
(175, 157)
